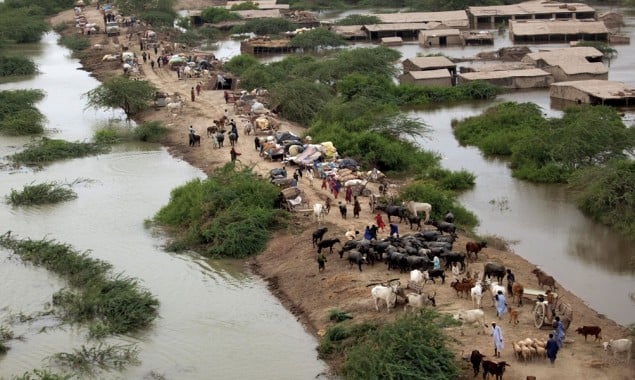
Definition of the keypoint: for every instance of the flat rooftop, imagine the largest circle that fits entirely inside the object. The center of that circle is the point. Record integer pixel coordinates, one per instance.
(529, 8)
(449, 18)
(477, 75)
(604, 89)
(550, 27)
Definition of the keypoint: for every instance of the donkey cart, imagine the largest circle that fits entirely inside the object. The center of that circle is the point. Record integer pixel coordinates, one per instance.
(545, 312)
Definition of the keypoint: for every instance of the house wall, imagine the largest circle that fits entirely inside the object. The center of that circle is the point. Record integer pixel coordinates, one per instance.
(435, 40)
(569, 93)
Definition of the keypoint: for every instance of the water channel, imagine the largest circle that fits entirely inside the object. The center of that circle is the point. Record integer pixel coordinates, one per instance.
(216, 320)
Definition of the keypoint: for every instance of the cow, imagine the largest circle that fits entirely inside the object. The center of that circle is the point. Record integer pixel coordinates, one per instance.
(476, 359)
(356, 257)
(494, 270)
(474, 247)
(318, 235)
(496, 369)
(590, 330)
(392, 210)
(442, 227)
(416, 207)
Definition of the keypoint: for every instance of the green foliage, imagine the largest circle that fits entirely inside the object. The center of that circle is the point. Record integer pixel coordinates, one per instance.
(109, 135)
(358, 20)
(158, 18)
(14, 66)
(317, 38)
(42, 193)
(299, 100)
(22, 25)
(247, 5)
(341, 337)
(412, 347)
(229, 214)
(338, 315)
(74, 42)
(190, 38)
(151, 131)
(607, 194)
(18, 115)
(442, 201)
(183, 22)
(42, 374)
(264, 26)
(606, 49)
(128, 7)
(96, 296)
(46, 7)
(209, 33)
(238, 64)
(133, 96)
(104, 356)
(214, 15)
(47, 150)
(449, 180)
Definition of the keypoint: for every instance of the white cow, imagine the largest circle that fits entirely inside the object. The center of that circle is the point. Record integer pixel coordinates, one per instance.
(418, 301)
(175, 106)
(477, 295)
(474, 316)
(416, 276)
(318, 212)
(618, 346)
(416, 207)
(386, 293)
(494, 288)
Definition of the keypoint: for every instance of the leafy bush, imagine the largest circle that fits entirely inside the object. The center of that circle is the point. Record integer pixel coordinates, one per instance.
(14, 66)
(238, 64)
(358, 20)
(265, 26)
(96, 296)
(317, 38)
(339, 315)
(22, 25)
(441, 200)
(229, 214)
(151, 131)
(158, 18)
(341, 337)
(215, 15)
(299, 100)
(74, 42)
(18, 115)
(133, 96)
(42, 374)
(48, 150)
(449, 180)
(43, 193)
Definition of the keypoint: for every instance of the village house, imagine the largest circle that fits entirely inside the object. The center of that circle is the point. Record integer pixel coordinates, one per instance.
(540, 31)
(494, 15)
(392, 41)
(510, 79)
(594, 91)
(570, 64)
(440, 77)
(429, 63)
(441, 37)
(451, 19)
(349, 32)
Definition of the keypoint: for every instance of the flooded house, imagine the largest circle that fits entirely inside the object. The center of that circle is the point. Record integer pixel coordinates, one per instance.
(429, 63)
(451, 19)
(440, 37)
(494, 15)
(510, 79)
(570, 64)
(482, 37)
(407, 31)
(439, 77)
(594, 91)
(392, 41)
(612, 20)
(262, 45)
(547, 31)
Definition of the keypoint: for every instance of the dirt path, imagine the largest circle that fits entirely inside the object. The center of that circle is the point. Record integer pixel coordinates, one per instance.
(289, 266)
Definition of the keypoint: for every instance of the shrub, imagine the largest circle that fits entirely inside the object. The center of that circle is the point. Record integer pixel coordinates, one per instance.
(43, 193)
(299, 100)
(14, 66)
(317, 38)
(74, 42)
(151, 131)
(22, 25)
(229, 214)
(215, 15)
(247, 5)
(158, 18)
(441, 200)
(265, 27)
(104, 356)
(18, 115)
(42, 374)
(48, 150)
(238, 64)
(358, 20)
(339, 315)
(449, 180)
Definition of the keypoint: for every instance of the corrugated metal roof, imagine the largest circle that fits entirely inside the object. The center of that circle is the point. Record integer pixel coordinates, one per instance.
(529, 8)
(430, 74)
(423, 62)
(604, 89)
(449, 18)
(546, 27)
(504, 74)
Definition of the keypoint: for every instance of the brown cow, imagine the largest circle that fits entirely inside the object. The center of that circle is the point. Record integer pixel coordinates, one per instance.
(474, 247)
(590, 330)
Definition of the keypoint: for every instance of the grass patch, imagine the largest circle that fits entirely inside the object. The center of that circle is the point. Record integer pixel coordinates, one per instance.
(229, 214)
(18, 114)
(42, 374)
(152, 131)
(74, 42)
(337, 315)
(42, 193)
(15, 66)
(95, 295)
(103, 356)
(47, 150)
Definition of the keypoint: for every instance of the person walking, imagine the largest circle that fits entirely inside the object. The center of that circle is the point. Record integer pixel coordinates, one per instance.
(394, 230)
(367, 234)
(348, 194)
(552, 349)
(159, 62)
(510, 281)
(501, 304)
(558, 333)
(152, 64)
(380, 222)
(357, 208)
(198, 89)
(144, 56)
(436, 263)
(497, 338)
(193, 94)
(191, 134)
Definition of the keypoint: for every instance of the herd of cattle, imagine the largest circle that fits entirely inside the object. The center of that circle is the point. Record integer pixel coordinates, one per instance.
(415, 253)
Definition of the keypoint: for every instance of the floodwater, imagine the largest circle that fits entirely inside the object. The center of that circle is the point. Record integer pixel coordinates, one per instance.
(216, 320)
(585, 257)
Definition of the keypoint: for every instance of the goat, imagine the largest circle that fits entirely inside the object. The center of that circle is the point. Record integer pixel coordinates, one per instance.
(415, 207)
(544, 279)
(328, 243)
(477, 295)
(419, 300)
(474, 247)
(386, 293)
(474, 316)
(619, 346)
(476, 358)
(461, 287)
(318, 235)
(513, 315)
(496, 369)
(430, 275)
(589, 330)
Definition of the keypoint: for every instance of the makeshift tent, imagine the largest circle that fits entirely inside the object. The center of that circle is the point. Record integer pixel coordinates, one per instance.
(176, 60)
(310, 154)
(127, 56)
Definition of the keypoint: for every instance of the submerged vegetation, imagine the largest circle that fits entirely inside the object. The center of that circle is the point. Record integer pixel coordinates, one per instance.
(229, 214)
(18, 115)
(588, 147)
(111, 304)
(15, 66)
(75, 42)
(42, 193)
(413, 346)
(103, 356)
(151, 131)
(47, 150)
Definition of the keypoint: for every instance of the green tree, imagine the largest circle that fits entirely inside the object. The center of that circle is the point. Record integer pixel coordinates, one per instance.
(359, 20)
(215, 15)
(299, 100)
(317, 38)
(239, 63)
(130, 95)
(264, 27)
